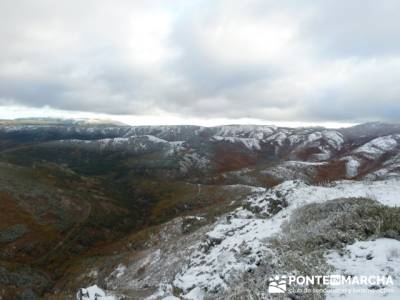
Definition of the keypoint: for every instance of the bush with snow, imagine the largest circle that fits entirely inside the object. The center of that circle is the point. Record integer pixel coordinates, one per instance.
(310, 233)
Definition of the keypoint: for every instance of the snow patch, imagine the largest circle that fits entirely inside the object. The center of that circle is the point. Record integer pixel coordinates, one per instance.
(377, 147)
(380, 257)
(237, 242)
(334, 138)
(352, 166)
(154, 139)
(93, 293)
(250, 143)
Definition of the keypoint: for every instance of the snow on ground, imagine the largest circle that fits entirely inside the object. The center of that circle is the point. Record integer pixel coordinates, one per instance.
(278, 138)
(314, 136)
(334, 138)
(377, 147)
(380, 257)
(236, 244)
(298, 193)
(93, 293)
(390, 168)
(291, 170)
(193, 159)
(220, 254)
(251, 131)
(119, 271)
(303, 163)
(214, 268)
(249, 143)
(136, 142)
(154, 139)
(352, 166)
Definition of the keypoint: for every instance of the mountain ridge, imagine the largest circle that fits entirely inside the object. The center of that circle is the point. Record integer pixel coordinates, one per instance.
(76, 198)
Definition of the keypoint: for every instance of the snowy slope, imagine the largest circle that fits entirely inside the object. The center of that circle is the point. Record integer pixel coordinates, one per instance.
(249, 143)
(367, 149)
(292, 170)
(93, 293)
(379, 146)
(380, 257)
(236, 244)
(390, 168)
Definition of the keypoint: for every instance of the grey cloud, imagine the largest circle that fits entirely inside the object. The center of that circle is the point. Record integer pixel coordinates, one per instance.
(298, 60)
(357, 28)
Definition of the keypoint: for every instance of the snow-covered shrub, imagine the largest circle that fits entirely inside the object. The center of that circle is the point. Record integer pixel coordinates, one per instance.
(311, 231)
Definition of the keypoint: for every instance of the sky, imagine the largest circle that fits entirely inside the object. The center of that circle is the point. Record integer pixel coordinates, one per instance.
(204, 62)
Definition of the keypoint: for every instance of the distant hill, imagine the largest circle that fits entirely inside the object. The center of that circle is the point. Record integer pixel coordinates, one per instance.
(86, 202)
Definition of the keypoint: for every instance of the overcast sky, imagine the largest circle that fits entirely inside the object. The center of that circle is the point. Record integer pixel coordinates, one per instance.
(192, 61)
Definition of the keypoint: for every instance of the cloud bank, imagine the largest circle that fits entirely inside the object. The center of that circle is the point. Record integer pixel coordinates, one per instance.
(259, 59)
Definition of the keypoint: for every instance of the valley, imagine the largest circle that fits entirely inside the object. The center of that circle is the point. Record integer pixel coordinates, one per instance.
(152, 212)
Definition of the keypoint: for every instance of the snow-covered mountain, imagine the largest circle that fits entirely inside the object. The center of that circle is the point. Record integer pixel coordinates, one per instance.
(218, 260)
(367, 150)
(191, 212)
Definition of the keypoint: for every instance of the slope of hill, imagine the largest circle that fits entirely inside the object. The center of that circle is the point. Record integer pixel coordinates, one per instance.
(179, 211)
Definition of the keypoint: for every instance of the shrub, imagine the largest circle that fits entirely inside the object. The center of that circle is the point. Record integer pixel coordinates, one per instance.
(311, 231)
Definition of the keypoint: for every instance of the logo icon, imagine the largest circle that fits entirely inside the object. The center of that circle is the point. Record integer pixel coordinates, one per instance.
(277, 284)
